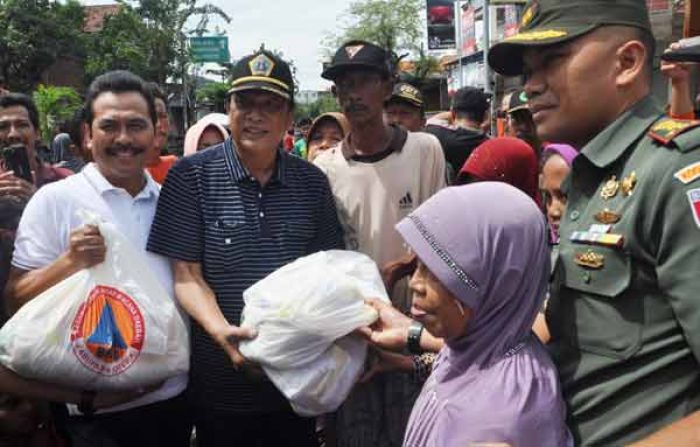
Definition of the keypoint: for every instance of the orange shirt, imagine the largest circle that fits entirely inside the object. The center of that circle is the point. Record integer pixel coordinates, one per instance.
(160, 170)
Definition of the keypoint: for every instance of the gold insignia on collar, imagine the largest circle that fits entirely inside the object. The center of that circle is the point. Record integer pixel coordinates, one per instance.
(261, 65)
(607, 217)
(353, 50)
(610, 188)
(628, 184)
(590, 259)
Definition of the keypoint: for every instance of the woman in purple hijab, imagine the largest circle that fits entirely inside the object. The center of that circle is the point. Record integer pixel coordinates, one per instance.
(555, 166)
(481, 279)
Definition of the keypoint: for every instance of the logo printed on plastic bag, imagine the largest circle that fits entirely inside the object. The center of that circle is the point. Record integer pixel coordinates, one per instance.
(108, 331)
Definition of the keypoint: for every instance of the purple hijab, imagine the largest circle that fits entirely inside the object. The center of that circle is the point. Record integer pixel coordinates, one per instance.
(486, 243)
(568, 153)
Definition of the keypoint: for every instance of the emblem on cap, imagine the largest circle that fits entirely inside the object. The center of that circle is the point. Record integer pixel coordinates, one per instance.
(352, 50)
(261, 65)
(529, 14)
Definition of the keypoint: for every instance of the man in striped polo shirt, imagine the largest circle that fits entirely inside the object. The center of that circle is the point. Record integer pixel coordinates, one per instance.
(227, 217)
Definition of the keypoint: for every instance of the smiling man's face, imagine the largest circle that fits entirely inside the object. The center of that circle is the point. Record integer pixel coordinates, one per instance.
(259, 120)
(566, 84)
(120, 135)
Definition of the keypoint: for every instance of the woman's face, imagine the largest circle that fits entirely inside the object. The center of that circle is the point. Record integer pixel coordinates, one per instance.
(554, 172)
(435, 306)
(326, 135)
(210, 137)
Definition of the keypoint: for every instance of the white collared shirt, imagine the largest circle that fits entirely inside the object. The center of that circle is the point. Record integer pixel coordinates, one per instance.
(44, 234)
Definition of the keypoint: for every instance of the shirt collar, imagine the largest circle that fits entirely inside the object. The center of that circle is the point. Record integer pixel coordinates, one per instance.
(239, 172)
(609, 145)
(102, 185)
(396, 144)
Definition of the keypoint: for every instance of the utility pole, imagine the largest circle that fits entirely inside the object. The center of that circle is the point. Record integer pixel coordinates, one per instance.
(460, 40)
(487, 70)
(485, 45)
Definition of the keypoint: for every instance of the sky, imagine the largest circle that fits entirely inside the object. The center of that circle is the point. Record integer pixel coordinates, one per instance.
(295, 27)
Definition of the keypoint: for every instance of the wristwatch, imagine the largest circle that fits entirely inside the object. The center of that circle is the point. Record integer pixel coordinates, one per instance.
(87, 403)
(413, 339)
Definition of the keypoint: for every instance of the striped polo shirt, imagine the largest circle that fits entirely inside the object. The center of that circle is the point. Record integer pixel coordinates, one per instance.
(212, 211)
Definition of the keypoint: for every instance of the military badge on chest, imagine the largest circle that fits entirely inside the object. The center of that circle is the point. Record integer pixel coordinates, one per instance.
(601, 233)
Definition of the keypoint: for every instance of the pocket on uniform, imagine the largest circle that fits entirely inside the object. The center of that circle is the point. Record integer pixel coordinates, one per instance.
(227, 244)
(602, 314)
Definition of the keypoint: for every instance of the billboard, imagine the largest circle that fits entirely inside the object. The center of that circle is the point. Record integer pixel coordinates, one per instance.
(441, 25)
(469, 44)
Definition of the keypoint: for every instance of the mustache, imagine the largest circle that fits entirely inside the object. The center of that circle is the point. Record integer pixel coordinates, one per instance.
(118, 148)
(355, 107)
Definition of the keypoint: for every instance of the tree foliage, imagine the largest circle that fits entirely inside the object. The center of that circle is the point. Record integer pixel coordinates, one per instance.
(55, 105)
(424, 67)
(33, 35)
(149, 37)
(213, 93)
(395, 25)
(324, 104)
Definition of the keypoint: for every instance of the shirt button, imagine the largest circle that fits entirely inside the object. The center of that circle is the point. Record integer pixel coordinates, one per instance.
(574, 215)
(259, 195)
(587, 277)
(262, 214)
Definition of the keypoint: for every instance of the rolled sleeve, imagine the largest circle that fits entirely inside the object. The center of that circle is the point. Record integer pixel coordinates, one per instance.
(177, 230)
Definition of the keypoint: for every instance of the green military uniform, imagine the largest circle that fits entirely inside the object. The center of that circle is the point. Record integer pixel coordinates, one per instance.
(625, 307)
(624, 313)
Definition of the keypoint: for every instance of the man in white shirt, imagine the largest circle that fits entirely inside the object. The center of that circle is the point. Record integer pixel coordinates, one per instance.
(378, 174)
(52, 244)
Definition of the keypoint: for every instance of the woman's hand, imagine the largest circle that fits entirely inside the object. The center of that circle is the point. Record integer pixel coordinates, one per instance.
(390, 331)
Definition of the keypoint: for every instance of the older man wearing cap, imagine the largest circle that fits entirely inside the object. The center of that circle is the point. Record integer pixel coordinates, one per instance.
(405, 108)
(379, 173)
(227, 217)
(624, 312)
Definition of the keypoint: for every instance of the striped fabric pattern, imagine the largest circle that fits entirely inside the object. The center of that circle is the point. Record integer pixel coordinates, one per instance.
(212, 211)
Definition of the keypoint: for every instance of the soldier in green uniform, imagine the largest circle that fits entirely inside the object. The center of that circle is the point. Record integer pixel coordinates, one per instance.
(625, 306)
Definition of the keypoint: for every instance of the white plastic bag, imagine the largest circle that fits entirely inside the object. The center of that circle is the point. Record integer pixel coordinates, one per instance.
(110, 327)
(304, 314)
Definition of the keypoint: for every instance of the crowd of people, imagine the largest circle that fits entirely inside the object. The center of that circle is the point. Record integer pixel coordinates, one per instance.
(542, 279)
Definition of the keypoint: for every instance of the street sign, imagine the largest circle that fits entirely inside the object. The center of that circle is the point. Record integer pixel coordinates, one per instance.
(210, 49)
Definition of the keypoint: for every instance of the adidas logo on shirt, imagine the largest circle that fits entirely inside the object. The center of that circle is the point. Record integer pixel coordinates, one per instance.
(406, 202)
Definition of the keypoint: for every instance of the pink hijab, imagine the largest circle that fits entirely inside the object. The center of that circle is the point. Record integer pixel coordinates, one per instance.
(195, 132)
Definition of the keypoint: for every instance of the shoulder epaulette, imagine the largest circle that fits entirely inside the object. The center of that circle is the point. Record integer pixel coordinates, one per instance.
(667, 129)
